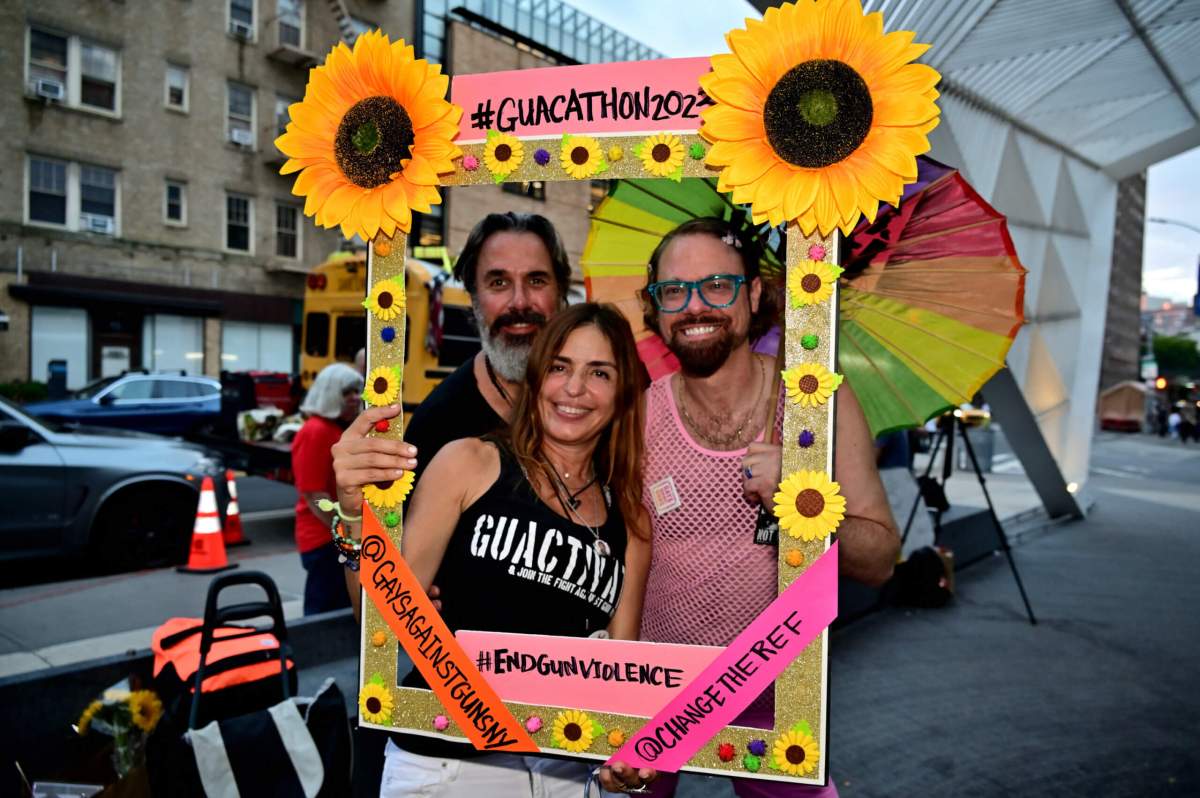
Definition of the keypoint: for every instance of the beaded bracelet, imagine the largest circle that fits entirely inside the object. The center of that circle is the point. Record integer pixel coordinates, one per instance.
(327, 506)
(348, 548)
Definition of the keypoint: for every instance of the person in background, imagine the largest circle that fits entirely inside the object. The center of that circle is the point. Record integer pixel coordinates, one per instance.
(332, 403)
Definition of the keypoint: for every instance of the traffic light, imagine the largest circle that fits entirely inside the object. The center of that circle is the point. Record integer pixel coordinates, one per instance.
(1160, 383)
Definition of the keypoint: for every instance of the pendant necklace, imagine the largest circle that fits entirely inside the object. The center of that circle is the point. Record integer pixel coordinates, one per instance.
(571, 503)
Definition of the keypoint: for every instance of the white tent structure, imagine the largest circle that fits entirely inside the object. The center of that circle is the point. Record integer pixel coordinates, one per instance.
(1046, 105)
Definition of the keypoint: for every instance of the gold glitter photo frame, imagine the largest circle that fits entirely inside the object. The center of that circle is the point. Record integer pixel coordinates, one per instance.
(806, 131)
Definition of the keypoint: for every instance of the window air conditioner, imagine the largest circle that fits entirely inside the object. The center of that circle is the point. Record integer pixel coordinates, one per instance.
(96, 223)
(49, 89)
(241, 137)
(241, 30)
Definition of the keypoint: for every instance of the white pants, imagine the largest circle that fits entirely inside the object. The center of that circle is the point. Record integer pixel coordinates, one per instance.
(501, 775)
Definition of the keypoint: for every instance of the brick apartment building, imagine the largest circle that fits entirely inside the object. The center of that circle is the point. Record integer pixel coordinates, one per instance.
(145, 224)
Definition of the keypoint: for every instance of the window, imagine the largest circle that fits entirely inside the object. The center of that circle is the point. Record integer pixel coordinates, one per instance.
(240, 106)
(241, 19)
(290, 16)
(97, 199)
(177, 87)
(282, 117)
(133, 390)
(72, 195)
(74, 71)
(175, 203)
(98, 77)
(361, 26)
(287, 241)
(237, 223)
(349, 334)
(47, 191)
(316, 334)
(47, 57)
(174, 389)
(534, 189)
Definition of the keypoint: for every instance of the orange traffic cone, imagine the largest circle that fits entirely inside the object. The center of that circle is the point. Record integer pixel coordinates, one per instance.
(234, 534)
(208, 546)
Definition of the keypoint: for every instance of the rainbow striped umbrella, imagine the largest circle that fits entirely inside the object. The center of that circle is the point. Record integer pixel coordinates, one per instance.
(931, 299)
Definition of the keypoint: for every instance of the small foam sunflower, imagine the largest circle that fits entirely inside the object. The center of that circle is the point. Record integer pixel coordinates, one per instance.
(383, 386)
(795, 753)
(573, 730)
(371, 137)
(810, 384)
(818, 115)
(145, 709)
(387, 300)
(85, 719)
(809, 505)
(389, 493)
(375, 703)
(581, 157)
(503, 153)
(810, 282)
(662, 154)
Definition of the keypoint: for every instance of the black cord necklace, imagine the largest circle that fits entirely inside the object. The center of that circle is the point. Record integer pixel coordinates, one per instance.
(487, 364)
(572, 499)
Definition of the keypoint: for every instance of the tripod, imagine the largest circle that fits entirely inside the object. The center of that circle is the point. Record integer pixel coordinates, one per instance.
(933, 492)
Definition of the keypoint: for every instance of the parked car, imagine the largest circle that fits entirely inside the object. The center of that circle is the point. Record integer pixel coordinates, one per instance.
(166, 404)
(122, 498)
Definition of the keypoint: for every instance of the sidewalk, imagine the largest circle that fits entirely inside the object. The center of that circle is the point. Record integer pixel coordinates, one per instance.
(1099, 699)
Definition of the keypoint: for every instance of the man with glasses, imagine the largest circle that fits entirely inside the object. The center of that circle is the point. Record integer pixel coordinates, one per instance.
(710, 465)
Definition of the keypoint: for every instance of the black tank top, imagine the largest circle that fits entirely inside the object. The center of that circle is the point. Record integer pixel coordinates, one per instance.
(515, 565)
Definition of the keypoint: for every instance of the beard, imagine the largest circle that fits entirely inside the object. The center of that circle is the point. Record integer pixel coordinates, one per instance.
(703, 359)
(508, 354)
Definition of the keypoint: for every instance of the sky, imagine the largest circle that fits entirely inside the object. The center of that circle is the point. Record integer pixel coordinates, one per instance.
(1173, 191)
(1169, 260)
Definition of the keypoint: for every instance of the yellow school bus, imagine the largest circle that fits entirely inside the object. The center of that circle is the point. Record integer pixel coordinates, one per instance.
(335, 324)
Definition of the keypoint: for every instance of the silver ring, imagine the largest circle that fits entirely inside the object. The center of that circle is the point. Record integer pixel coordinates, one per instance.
(642, 790)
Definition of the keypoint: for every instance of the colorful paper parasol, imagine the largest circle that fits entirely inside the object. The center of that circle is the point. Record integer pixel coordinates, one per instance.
(931, 298)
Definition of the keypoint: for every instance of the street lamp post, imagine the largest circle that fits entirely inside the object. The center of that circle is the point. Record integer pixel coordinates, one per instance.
(1194, 229)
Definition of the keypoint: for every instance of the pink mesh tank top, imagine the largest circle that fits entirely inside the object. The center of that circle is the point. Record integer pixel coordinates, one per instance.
(708, 578)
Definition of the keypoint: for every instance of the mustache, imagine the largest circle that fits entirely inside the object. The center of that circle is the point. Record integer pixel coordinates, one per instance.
(517, 317)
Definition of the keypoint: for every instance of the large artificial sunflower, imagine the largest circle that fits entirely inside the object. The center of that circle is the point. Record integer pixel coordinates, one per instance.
(662, 154)
(818, 114)
(382, 386)
(810, 384)
(795, 753)
(503, 154)
(375, 703)
(371, 137)
(389, 493)
(811, 282)
(573, 730)
(581, 157)
(386, 301)
(809, 505)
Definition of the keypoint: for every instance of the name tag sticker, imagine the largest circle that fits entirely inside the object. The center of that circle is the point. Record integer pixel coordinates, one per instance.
(665, 496)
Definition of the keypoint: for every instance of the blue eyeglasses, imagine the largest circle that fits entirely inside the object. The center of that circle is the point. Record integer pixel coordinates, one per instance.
(716, 291)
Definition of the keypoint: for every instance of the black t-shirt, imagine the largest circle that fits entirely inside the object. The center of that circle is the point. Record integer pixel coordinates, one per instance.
(515, 565)
(455, 409)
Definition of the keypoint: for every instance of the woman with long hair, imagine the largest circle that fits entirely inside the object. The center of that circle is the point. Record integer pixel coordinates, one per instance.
(537, 530)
